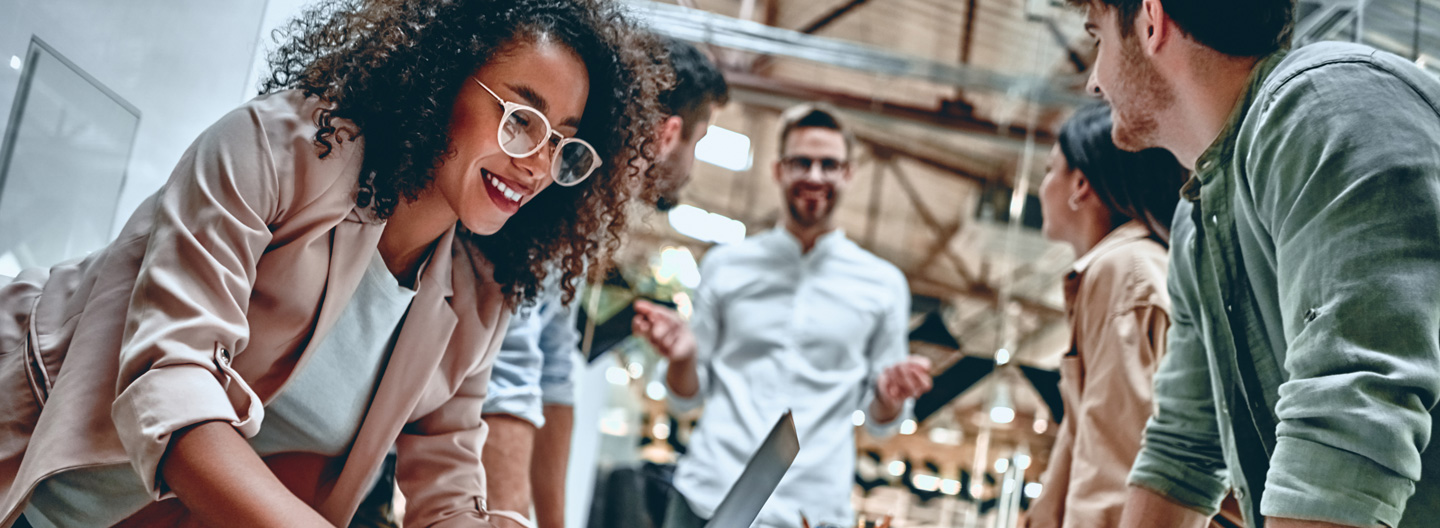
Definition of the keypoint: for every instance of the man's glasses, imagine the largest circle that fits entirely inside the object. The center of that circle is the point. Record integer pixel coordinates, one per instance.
(799, 165)
(525, 131)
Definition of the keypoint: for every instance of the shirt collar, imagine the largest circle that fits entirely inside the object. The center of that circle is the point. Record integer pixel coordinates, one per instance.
(1221, 150)
(1127, 232)
(823, 244)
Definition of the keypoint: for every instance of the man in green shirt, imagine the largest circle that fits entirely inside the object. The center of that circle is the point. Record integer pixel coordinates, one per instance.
(1304, 355)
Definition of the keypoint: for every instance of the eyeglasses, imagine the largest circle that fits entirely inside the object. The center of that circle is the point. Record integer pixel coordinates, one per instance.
(525, 131)
(800, 165)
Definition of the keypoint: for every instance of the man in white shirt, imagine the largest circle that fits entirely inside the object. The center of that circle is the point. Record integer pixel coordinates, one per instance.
(795, 318)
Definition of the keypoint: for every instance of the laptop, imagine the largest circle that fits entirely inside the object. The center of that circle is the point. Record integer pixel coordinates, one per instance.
(761, 475)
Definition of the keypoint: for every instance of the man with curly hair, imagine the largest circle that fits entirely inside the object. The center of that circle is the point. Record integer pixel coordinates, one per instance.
(530, 406)
(328, 272)
(1305, 342)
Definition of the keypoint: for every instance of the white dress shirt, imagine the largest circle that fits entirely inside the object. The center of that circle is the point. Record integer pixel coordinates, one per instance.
(777, 330)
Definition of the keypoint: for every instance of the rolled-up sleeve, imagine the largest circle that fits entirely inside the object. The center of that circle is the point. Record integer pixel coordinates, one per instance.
(1354, 208)
(560, 343)
(188, 310)
(1181, 456)
(515, 379)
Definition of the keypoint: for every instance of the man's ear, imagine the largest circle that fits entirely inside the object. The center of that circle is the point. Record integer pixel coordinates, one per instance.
(669, 134)
(1153, 27)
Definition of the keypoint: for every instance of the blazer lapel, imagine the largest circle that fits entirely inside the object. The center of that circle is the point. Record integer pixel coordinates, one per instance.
(424, 336)
(352, 244)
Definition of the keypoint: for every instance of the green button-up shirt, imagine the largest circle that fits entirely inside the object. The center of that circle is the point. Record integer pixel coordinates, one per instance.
(1304, 349)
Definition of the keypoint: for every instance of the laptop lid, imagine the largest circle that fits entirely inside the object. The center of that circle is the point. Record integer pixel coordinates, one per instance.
(761, 475)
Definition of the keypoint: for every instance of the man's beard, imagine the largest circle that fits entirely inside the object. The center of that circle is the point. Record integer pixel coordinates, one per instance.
(671, 180)
(1137, 100)
(801, 217)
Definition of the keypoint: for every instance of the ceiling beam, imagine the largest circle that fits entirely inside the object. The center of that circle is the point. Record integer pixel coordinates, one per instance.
(941, 232)
(882, 147)
(934, 288)
(753, 89)
(831, 16)
(704, 27)
(967, 40)
(1076, 59)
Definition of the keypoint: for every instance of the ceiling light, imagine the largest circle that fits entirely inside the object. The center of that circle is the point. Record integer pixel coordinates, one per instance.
(725, 148)
(703, 225)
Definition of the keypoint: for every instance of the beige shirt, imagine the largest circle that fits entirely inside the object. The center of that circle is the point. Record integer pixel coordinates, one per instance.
(1118, 308)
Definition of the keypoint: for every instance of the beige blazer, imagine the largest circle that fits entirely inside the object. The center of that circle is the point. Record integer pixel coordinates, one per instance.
(211, 298)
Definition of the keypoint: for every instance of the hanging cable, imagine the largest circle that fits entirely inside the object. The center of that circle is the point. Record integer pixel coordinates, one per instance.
(1415, 46)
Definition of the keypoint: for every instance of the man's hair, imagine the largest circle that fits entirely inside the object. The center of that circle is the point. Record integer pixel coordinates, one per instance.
(1141, 185)
(698, 85)
(1240, 28)
(814, 115)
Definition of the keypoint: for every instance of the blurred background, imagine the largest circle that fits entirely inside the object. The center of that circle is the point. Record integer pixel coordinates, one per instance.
(955, 102)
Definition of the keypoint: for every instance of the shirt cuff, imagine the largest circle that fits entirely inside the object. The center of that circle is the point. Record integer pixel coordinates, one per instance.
(679, 405)
(162, 401)
(883, 430)
(1314, 482)
(523, 403)
(1196, 490)
(557, 393)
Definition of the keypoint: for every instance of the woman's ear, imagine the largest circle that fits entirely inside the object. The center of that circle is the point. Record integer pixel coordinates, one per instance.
(1080, 191)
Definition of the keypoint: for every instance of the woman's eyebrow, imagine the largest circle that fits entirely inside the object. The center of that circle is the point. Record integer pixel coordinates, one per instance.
(533, 98)
(530, 96)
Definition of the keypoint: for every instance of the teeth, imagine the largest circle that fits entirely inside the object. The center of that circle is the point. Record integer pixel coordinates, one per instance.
(514, 196)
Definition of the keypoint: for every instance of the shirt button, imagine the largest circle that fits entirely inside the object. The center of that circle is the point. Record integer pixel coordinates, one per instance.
(1229, 308)
(1240, 494)
(1214, 220)
(225, 357)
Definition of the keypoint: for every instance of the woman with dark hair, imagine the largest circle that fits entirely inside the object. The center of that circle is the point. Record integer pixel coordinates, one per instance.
(328, 272)
(1114, 209)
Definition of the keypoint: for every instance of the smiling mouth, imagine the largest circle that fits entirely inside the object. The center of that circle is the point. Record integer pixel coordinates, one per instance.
(502, 192)
(499, 184)
(815, 194)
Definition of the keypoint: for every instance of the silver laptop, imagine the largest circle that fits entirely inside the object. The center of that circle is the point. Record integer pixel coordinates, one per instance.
(762, 474)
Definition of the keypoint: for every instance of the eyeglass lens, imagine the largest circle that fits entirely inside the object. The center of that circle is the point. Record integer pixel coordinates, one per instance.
(802, 164)
(524, 130)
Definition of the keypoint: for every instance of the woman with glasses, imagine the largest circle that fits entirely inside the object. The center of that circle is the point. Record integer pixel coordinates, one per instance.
(1114, 209)
(328, 273)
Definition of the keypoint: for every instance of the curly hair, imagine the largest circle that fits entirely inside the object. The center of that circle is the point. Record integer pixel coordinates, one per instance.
(395, 68)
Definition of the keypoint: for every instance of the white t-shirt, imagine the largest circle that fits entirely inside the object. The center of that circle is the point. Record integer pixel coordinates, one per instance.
(318, 411)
